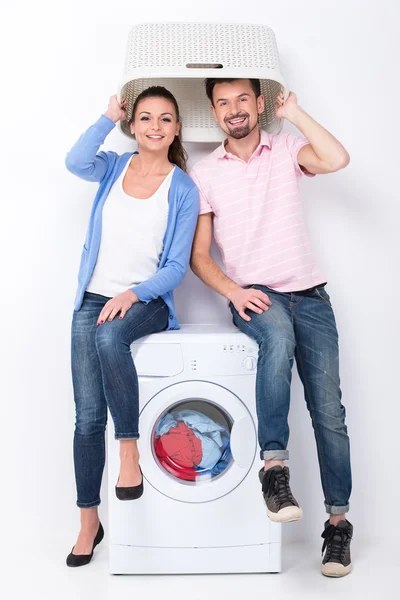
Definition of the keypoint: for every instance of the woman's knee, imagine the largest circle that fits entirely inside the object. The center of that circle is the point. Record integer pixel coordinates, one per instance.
(109, 339)
(91, 420)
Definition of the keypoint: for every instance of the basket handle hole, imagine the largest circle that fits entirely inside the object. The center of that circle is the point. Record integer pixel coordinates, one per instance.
(204, 66)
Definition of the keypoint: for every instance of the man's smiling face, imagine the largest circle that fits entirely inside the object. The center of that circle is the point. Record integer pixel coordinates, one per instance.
(236, 108)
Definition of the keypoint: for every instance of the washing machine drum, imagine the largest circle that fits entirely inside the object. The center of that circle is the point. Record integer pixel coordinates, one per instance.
(200, 441)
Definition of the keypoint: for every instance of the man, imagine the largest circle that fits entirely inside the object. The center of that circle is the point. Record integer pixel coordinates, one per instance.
(249, 195)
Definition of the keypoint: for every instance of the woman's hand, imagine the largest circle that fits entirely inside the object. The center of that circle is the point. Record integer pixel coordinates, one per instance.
(121, 303)
(116, 111)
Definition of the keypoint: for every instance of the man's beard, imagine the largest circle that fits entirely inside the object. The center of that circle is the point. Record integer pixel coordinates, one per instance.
(239, 132)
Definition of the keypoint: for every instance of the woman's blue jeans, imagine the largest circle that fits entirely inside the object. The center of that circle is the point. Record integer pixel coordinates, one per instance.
(301, 325)
(104, 376)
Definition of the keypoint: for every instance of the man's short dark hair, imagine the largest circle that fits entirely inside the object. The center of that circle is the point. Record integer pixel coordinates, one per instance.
(210, 84)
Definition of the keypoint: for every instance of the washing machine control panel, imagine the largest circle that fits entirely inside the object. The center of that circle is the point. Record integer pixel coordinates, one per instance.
(217, 355)
(237, 349)
(223, 359)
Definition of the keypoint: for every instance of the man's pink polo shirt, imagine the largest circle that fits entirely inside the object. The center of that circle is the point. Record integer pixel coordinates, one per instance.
(258, 216)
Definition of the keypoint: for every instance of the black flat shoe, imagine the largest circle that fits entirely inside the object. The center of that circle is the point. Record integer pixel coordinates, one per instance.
(78, 560)
(129, 493)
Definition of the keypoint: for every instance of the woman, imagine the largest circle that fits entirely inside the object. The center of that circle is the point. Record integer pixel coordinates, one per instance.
(136, 252)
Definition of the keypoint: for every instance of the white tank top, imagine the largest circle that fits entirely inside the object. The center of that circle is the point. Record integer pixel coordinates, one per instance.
(131, 240)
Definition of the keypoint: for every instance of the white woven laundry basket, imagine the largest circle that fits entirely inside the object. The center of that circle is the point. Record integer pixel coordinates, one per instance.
(180, 56)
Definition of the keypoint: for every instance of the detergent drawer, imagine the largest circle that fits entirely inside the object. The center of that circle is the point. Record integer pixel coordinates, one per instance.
(157, 360)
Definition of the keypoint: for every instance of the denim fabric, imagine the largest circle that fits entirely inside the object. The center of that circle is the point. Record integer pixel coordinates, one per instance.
(104, 375)
(301, 326)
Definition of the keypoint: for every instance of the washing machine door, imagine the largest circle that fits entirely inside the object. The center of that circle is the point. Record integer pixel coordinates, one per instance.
(198, 441)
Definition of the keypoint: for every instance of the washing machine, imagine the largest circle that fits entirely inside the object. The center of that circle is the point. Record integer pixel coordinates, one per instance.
(202, 509)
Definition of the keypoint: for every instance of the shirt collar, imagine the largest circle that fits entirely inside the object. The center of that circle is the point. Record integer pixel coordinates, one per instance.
(264, 141)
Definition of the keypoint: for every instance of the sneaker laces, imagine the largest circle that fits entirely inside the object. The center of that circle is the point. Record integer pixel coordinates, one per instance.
(278, 482)
(335, 541)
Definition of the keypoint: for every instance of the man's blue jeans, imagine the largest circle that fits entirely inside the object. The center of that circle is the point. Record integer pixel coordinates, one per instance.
(301, 325)
(104, 375)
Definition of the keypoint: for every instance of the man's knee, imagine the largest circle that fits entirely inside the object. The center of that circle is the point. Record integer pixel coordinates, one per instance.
(275, 337)
(276, 351)
(331, 414)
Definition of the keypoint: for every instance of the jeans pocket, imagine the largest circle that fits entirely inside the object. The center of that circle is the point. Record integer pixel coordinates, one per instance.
(323, 295)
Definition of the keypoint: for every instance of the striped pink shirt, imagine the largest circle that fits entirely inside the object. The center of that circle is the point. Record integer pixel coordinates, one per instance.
(258, 216)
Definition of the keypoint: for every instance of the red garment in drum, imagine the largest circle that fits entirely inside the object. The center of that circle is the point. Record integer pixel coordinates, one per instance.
(179, 451)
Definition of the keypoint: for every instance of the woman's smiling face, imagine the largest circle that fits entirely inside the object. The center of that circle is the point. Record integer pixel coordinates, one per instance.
(155, 124)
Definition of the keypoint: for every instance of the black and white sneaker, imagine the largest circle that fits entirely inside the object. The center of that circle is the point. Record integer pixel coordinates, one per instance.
(281, 505)
(337, 560)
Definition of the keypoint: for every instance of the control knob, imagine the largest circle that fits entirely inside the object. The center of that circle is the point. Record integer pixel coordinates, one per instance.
(250, 363)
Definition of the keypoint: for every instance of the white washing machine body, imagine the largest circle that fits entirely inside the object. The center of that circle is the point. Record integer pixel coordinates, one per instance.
(219, 525)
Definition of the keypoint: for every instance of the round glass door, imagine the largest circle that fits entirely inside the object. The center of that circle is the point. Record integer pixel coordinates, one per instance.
(198, 441)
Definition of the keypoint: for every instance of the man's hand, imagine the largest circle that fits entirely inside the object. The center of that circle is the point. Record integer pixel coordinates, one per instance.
(282, 108)
(121, 303)
(252, 299)
(324, 153)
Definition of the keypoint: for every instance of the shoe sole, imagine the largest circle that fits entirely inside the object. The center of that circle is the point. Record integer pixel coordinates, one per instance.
(335, 570)
(125, 496)
(286, 515)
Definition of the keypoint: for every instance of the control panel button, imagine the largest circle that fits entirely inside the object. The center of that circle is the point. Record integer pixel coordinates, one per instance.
(250, 363)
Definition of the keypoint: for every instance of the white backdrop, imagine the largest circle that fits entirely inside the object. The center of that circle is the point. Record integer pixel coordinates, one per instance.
(61, 62)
